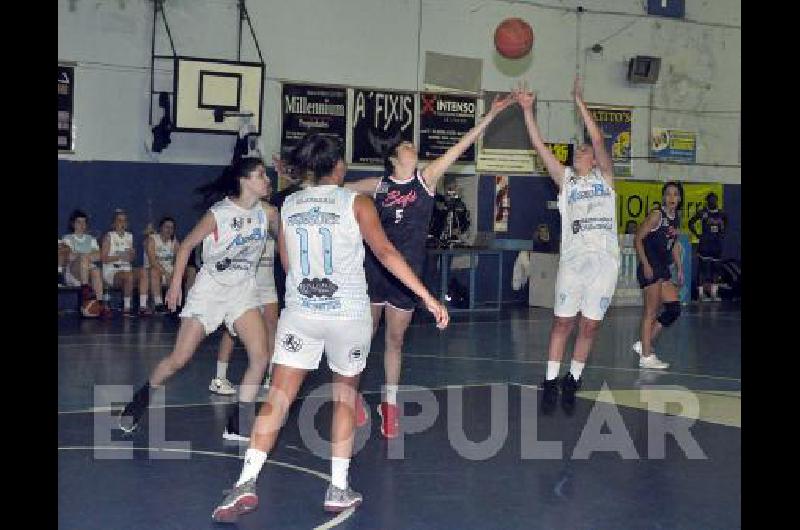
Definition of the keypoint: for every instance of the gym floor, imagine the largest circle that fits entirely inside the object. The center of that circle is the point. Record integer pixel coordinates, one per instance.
(612, 464)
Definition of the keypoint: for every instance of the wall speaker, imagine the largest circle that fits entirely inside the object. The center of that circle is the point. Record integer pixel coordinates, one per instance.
(644, 69)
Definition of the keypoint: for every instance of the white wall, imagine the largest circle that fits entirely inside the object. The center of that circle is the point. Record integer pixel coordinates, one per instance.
(375, 43)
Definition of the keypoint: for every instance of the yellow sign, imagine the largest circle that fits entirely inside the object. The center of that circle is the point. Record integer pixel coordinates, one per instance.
(636, 198)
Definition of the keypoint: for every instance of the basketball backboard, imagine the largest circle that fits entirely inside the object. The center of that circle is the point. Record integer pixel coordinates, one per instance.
(214, 96)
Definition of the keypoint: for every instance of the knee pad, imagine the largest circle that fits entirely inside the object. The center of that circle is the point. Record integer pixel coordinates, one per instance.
(672, 310)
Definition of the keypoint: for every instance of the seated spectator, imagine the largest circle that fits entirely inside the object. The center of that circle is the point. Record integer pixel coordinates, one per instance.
(117, 255)
(159, 260)
(542, 242)
(63, 256)
(78, 254)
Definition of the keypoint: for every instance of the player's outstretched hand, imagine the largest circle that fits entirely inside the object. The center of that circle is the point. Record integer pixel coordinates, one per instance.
(439, 312)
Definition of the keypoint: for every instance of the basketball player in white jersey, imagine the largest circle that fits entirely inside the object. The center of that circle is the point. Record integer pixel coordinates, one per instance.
(82, 252)
(117, 254)
(589, 262)
(267, 295)
(224, 292)
(327, 308)
(159, 259)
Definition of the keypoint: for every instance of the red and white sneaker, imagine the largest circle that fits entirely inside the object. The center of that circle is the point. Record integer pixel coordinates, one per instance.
(361, 411)
(390, 424)
(238, 501)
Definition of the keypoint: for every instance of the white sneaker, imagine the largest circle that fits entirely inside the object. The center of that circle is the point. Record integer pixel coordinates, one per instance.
(222, 387)
(651, 361)
(637, 347)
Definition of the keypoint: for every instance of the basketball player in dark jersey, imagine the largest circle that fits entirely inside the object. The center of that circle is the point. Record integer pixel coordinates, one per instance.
(709, 251)
(657, 247)
(404, 199)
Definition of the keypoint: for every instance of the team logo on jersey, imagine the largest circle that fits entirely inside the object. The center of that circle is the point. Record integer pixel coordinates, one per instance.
(223, 264)
(383, 187)
(255, 235)
(395, 198)
(314, 217)
(317, 287)
(594, 190)
(292, 342)
(237, 223)
(355, 354)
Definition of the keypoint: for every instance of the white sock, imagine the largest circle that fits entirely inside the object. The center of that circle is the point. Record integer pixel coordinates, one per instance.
(339, 472)
(222, 369)
(552, 369)
(575, 368)
(253, 462)
(60, 270)
(158, 300)
(391, 394)
(714, 290)
(126, 302)
(142, 301)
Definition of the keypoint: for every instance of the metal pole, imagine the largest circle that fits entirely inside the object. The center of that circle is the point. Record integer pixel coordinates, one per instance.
(153, 61)
(252, 32)
(166, 26)
(239, 38)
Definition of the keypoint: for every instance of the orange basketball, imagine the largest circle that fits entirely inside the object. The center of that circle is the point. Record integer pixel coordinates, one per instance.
(513, 38)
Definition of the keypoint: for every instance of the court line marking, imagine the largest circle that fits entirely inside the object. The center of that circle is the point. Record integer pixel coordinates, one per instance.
(588, 367)
(709, 411)
(723, 316)
(328, 524)
(466, 385)
(262, 399)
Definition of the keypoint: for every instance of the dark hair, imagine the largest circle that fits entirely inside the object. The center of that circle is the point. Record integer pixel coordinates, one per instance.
(228, 182)
(316, 154)
(75, 215)
(677, 186)
(711, 194)
(164, 220)
(389, 151)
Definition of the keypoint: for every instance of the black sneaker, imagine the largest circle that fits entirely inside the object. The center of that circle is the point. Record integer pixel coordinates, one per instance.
(131, 415)
(240, 424)
(568, 388)
(549, 396)
(62, 282)
(160, 309)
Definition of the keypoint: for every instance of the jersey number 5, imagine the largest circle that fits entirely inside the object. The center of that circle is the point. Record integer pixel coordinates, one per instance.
(398, 216)
(327, 250)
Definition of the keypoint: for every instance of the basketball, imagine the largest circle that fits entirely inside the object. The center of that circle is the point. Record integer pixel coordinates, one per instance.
(91, 308)
(513, 38)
